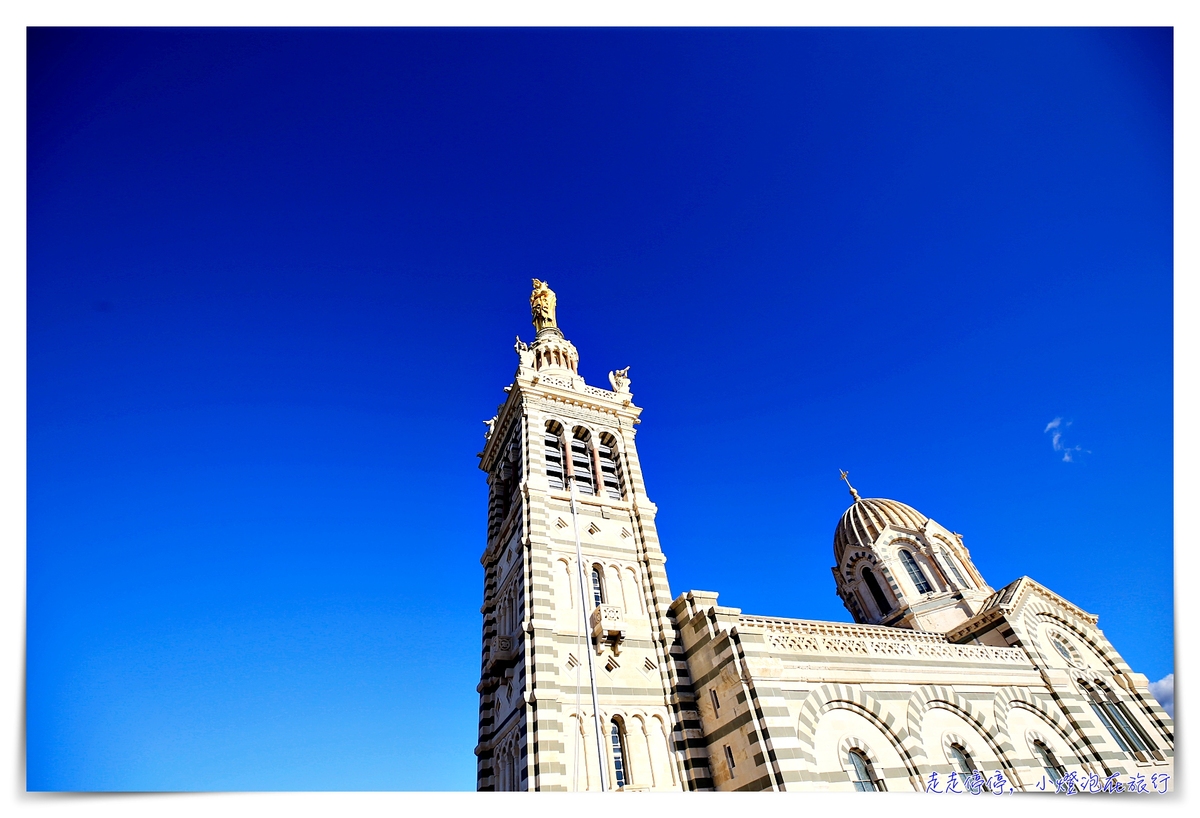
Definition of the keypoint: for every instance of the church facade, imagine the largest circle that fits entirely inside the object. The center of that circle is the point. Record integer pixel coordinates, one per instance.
(594, 677)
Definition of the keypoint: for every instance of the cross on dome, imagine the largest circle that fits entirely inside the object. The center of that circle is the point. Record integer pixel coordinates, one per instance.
(846, 477)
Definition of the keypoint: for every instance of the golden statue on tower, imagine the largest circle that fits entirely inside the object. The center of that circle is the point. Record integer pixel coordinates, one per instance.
(542, 304)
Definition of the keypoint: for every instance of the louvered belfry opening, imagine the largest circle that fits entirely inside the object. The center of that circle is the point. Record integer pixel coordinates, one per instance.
(554, 456)
(610, 469)
(507, 476)
(582, 470)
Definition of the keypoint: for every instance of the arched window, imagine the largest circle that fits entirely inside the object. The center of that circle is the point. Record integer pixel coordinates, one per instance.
(610, 470)
(505, 769)
(1125, 721)
(581, 463)
(1049, 762)
(915, 573)
(953, 566)
(960, 758)
(620, 774)
(554, 460)
(877, 593)
(598, 585)
(862, 773)
(1102, 716)
(1124, 729)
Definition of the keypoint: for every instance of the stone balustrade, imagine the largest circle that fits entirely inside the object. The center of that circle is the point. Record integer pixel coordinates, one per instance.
(597, 392)
(836, 639)
(578, 386)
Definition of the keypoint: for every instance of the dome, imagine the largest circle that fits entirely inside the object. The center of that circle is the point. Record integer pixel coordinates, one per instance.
(863, 522)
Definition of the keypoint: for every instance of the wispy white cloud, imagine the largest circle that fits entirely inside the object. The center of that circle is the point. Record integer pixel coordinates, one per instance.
(1164, 691)
(1069, 453)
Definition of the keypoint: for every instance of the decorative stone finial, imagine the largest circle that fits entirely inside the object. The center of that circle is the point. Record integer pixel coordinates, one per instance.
(853, 493)
(542, 303)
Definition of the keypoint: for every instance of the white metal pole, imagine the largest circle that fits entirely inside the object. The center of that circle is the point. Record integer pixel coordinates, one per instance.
(600, 758)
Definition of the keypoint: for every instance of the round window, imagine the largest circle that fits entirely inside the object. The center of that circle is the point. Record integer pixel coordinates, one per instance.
(1065, 649)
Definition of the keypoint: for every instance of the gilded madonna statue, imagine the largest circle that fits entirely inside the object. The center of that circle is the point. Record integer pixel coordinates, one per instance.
(542, 303)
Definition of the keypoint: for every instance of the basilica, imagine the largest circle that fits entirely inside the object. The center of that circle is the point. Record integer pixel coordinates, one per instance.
(594, 677)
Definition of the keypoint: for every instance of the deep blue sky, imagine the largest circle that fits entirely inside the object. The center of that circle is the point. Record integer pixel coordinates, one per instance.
(274, 278)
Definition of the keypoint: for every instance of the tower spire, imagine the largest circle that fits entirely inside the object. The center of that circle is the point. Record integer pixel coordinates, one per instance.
(846, 477)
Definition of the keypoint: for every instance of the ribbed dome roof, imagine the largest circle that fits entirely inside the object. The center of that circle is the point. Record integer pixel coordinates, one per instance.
(865, 520)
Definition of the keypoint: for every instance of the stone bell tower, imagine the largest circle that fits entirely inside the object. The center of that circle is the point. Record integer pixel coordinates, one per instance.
(583, 684)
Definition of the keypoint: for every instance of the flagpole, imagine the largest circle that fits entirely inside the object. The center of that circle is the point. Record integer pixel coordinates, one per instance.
(591, 659)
